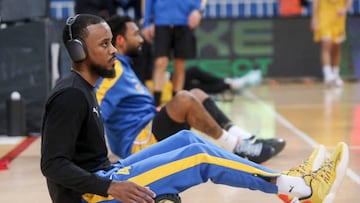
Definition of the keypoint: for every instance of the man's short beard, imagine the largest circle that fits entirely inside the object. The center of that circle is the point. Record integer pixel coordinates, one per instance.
(133, 52)
(101, 71)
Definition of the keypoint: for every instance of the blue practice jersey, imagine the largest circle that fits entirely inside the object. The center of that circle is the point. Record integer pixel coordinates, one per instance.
(119, 100)
(170, 12)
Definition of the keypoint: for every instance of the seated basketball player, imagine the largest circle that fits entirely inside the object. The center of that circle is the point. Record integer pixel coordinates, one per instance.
(132, 121)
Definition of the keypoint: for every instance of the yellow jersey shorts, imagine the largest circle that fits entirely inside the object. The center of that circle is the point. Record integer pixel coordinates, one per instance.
(334, 31)
(144, 139)
(331, 26)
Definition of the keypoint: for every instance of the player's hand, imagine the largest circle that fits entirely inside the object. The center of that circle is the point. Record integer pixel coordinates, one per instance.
(341, 12)
(130, 192)
(194, 19)
(148, 33)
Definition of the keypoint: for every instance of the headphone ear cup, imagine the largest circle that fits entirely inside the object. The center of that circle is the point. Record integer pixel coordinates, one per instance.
(77, 50)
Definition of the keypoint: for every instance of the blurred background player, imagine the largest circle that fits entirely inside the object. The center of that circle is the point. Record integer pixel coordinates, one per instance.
(174, 36)
(211, 84)
(328, 25)
(195, 77)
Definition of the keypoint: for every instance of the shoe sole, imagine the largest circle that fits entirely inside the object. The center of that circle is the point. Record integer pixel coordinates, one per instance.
(340, 173)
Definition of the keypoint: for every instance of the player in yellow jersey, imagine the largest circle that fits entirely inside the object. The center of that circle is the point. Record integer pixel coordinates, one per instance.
(328, 25)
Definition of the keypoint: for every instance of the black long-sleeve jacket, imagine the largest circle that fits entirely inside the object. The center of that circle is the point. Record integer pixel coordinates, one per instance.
(73, 144)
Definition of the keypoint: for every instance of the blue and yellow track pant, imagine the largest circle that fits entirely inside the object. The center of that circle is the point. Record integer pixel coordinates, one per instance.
(184, 160)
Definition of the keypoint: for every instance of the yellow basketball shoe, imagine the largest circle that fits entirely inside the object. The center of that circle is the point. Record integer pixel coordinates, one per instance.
(313, 163)
(325, 181)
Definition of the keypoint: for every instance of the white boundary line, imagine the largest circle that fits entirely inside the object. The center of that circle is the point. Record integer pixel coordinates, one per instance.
(350, 173)
(5, 140)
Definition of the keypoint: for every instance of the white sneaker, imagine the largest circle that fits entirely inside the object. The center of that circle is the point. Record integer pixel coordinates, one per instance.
(329, 80)
(338, 82)
(253, 78)
(236, 83)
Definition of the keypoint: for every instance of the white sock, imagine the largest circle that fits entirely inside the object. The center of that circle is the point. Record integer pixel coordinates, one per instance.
(242, 134)
(293, 186)
(327, 72)
(336, 70)
(227, 81)
(228, 141)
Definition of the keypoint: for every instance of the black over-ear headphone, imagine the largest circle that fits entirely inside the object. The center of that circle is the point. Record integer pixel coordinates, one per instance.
(76, 47)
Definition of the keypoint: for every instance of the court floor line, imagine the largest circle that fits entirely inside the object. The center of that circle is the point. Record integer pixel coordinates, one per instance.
(15, 152)
(350, 173)
(5, 140)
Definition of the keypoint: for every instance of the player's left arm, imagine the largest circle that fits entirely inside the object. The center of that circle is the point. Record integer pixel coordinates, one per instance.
(346, 8)
(196, 15)
(348, 4)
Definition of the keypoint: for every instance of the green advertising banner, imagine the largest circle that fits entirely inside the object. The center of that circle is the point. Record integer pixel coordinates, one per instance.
(278, 47)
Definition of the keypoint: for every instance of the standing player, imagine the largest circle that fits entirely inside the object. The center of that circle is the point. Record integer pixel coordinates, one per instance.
(175, 22)
(328, 25)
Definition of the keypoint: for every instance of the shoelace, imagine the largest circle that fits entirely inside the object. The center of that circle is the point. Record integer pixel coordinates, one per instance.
(302, 169)
(250, 149)
(323, 174)
(325, 171)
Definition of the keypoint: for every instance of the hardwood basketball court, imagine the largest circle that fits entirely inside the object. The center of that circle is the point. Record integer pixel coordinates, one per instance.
(303, 114)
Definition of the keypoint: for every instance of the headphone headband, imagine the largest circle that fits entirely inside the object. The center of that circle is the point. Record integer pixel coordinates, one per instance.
(71, 20)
